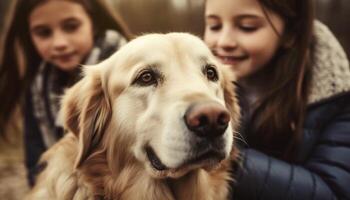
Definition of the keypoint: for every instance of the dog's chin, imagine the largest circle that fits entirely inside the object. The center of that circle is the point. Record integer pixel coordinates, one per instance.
(207, 161)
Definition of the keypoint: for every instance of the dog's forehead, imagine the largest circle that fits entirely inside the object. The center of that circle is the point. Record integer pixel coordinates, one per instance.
(172, 41)
(170, 52)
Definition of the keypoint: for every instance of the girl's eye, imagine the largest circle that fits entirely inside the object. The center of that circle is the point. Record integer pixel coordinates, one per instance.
(71, 26)
(42, 32)
(146, 78)
(248, 28)
(211, 73)
(215, 27)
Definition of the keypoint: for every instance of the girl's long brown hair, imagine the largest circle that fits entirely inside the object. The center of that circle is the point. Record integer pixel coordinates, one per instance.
(276, 123)
(19, 59)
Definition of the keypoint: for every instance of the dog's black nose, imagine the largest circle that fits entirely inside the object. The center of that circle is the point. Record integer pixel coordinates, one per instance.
(207, 119)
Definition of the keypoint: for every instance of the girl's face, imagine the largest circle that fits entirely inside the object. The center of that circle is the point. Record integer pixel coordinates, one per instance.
(240, 35)
(62, 32)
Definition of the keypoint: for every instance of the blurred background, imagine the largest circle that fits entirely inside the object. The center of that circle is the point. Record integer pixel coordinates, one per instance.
(187, 15)
(144, 16)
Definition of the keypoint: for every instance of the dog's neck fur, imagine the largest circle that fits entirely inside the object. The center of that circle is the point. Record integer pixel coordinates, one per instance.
(94, 179)
(131, 181)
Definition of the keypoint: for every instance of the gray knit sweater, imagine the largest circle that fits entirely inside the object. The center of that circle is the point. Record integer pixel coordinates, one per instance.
(331, 71)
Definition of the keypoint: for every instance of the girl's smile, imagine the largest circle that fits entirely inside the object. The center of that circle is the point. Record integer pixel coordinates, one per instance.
(232, 60)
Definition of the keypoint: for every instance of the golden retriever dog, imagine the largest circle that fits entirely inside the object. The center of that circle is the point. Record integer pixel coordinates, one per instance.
(155, 121)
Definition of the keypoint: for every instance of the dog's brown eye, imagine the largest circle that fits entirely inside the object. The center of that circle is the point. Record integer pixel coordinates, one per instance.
(211, 73)
(146, 78)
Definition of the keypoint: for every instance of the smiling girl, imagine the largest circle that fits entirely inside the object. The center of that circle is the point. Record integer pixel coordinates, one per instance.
(294, 90)
(46, 43)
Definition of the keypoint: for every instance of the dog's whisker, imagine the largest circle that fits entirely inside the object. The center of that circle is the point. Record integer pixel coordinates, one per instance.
(239, 137)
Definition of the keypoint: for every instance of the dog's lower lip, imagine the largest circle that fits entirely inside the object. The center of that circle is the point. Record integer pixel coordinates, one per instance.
(210, 156)
(215, 156)
(156, 163)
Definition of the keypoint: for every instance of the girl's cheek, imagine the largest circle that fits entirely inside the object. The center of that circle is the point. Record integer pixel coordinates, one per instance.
(256, 42)
(208, 39)
(42, 47)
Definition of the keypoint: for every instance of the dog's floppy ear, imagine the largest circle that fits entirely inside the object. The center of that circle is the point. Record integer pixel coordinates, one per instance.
(231, 101)
(230, 97)
(86, 111)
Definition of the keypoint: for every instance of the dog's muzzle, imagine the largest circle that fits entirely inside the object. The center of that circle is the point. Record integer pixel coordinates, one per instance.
(207, 123)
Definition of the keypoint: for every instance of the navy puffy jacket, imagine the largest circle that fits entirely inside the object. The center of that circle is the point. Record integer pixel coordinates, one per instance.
(322, 170)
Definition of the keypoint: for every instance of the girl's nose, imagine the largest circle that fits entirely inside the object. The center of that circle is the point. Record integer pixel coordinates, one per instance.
(227, 39)
(60, 41)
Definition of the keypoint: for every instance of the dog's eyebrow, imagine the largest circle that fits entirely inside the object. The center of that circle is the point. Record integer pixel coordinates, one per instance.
(205, 62)
(153, 67)
(204, 59)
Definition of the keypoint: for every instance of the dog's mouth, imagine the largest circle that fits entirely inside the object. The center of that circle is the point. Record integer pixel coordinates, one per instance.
(210, 157)
(154, 160)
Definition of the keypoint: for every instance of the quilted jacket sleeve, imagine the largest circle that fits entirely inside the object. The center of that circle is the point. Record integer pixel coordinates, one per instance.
(325, 174)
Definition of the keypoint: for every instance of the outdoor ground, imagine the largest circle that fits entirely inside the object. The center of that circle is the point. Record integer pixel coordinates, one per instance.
(13, 184)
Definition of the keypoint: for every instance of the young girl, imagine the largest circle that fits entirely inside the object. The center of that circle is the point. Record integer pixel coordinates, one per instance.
(294, 89)
(46, 42)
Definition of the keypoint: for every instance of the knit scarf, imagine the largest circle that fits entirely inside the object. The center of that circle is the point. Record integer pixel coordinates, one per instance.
(50, 83)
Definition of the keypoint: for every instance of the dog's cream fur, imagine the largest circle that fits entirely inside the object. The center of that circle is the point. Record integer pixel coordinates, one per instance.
(116, 110)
